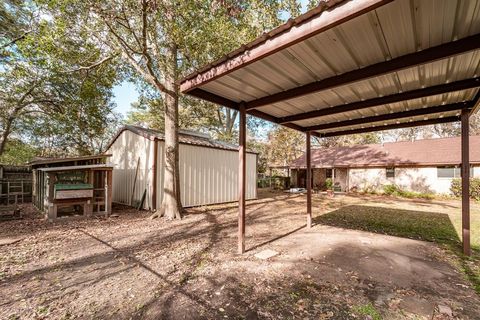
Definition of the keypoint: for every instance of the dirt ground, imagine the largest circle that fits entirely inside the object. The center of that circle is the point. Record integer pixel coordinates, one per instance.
(130, 267)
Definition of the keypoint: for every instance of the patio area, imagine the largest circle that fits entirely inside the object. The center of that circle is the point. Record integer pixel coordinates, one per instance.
(362, 258)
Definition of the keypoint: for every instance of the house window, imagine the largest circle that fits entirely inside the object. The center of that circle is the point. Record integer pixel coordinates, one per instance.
(390, 172)
(451, 172)
(329, 173)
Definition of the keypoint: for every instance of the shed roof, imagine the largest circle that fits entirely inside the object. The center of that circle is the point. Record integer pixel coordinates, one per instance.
(355, 66)
(184, 137)
(444, 151)
(40, 161)
(81, 167)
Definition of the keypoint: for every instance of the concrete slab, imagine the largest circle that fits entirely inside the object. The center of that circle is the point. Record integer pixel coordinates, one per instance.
(266, 254)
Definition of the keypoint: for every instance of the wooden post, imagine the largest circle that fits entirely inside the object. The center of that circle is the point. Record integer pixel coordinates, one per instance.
(309, 181)
(51, 207)
(241, 178)
(270, 176)
(465, 183)
(108, 193)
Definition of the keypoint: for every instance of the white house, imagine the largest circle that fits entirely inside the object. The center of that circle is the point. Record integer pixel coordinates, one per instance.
(208, 168)
(423, 166)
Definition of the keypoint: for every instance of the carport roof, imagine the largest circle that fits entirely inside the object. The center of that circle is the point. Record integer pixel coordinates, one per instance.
(355, 66)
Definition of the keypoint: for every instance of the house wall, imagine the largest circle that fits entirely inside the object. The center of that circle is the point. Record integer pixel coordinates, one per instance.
(341, 177)
(293, 178)
(319, 176)
(126, 150)
(419, 179)
(207, 175)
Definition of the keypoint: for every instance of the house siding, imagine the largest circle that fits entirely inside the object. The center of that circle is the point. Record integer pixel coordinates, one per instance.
(418, 179)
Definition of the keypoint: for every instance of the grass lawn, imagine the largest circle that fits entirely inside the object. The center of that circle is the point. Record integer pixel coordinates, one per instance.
(436, 221)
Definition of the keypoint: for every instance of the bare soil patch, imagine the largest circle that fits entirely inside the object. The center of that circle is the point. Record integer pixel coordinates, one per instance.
(130, 267)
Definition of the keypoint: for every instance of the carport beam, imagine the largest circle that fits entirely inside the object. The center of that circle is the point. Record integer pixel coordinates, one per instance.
(465, 183)
(241, 177)
(309, 181)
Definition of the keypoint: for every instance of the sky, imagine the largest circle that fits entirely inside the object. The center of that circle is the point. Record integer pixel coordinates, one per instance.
(126, 93)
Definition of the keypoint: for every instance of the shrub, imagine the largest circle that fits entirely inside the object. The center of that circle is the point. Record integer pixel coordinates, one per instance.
(456, 188)
(329, 183)
(390, 189)
(393, 190)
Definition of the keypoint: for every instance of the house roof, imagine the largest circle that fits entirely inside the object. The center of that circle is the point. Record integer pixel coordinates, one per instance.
(355, 66)
(184, 137)
(444, 151)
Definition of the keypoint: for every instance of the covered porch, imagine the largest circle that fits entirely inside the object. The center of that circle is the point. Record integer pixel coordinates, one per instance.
(319, 176)
(351, 67)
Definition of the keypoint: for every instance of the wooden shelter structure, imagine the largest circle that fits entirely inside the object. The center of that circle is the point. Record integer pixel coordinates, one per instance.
(80, 185)
(15, 189)
(353, 66)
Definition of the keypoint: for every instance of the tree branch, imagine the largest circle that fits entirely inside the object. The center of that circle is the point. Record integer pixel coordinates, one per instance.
(92, 66)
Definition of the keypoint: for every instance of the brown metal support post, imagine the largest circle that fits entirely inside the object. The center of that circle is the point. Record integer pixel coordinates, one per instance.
(309, 181)
(465, 183)
(154, 173)
(241, 178)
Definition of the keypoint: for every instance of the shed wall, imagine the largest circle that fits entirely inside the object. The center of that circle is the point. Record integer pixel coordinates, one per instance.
(208, 175)
(127, 149)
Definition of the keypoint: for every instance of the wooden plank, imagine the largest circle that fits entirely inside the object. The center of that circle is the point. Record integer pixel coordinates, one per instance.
(109, 193)
(134, 182)
(73, 194)
(242, 178)
(465, 183)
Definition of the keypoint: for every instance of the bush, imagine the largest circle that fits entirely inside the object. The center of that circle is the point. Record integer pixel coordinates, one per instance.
(456, 188)
(390, 189)
(277, 182)
(393, 190)
(329, 183)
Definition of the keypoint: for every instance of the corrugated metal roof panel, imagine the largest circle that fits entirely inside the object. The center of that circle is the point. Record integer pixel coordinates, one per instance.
(390, 31)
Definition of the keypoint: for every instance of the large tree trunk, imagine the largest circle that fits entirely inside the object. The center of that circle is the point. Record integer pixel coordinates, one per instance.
(6, 132)
(171, 206)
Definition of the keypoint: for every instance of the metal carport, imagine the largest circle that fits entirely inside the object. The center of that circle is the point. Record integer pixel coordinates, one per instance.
(354, 66)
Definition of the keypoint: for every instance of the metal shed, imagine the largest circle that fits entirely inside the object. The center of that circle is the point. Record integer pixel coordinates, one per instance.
(208, 168)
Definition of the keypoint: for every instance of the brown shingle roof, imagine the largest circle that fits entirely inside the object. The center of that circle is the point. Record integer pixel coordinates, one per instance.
(444, 151)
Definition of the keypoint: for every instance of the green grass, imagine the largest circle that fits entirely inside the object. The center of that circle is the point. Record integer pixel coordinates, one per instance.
(438, 227)
(367, 310)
